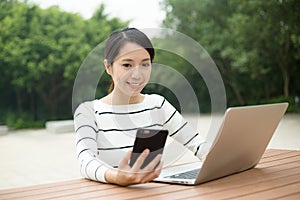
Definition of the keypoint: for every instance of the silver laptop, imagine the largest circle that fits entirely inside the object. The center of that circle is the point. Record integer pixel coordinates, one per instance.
(240, 143)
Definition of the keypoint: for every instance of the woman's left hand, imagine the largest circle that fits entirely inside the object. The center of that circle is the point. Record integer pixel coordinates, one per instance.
(127, 175)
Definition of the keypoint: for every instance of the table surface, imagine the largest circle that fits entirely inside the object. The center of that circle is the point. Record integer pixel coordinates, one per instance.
(277, 176)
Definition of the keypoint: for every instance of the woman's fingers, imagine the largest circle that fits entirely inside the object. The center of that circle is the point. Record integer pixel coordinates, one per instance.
(125, 160)
(154, 163)
(152, 170)
(140, 160)
(127, 175)
(153, 174)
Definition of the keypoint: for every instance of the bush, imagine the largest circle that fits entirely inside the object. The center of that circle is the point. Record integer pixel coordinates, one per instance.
(25, 121)
(292, 108)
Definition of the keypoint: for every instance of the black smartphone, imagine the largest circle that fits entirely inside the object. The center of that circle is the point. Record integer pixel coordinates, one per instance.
(151, 139)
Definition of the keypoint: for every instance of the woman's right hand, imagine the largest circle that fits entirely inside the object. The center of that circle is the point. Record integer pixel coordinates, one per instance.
(126, 175)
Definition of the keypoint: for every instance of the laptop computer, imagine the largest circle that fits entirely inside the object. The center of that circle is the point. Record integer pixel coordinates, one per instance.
(243, 136)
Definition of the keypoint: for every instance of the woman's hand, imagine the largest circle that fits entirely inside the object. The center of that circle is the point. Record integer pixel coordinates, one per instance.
(126, 175)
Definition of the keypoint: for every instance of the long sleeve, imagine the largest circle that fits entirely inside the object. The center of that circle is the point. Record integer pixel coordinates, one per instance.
(86, 129)
(181, 131)
(105, 133)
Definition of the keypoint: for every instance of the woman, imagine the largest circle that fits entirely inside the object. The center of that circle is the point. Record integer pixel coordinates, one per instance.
(106, 127)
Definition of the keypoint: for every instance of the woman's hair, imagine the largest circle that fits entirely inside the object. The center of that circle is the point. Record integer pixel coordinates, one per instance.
(116, 41)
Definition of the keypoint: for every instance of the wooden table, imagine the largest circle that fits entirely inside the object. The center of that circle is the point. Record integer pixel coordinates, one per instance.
(277, 176)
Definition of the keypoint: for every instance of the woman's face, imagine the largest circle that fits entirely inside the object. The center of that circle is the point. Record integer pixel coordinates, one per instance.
(130, 70)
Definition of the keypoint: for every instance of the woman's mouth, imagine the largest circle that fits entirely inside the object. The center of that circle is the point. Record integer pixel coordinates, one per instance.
(134, 85)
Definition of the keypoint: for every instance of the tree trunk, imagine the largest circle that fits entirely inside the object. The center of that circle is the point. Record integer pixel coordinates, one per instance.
(19, 102)
(286, 83)
(238, 94)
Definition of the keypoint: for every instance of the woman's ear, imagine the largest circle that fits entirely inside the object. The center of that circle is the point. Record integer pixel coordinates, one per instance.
(107, 67)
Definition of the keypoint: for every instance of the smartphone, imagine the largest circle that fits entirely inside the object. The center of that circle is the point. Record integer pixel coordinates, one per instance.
(151, 139)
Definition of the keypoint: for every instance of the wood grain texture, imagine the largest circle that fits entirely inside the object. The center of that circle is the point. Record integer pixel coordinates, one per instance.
(277, 176)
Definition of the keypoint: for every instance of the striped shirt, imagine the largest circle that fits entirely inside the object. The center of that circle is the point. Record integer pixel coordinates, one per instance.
(105, 133)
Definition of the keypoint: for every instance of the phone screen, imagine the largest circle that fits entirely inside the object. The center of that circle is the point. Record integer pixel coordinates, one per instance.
(151, 139)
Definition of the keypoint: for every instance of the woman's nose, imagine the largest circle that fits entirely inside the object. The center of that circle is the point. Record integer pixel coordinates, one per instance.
(135, 72)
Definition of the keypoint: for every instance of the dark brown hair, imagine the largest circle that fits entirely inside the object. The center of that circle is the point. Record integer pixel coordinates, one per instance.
(118, 38)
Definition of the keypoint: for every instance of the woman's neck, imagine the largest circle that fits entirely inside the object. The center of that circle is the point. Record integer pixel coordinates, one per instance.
(115, 98)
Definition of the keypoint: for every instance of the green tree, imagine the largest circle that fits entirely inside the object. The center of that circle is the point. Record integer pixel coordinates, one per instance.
(255, 43)
(41, 52)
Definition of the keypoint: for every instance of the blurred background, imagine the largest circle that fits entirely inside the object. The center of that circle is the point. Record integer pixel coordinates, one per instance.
(255, 45)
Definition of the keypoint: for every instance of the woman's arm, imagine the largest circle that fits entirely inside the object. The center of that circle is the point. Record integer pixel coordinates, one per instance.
(181, 131)
(86, 129)
(92, 167)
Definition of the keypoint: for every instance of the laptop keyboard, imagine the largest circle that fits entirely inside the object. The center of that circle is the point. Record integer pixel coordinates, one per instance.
(186, 175)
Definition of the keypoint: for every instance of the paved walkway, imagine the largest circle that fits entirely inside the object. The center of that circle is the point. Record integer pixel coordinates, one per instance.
(30, 157)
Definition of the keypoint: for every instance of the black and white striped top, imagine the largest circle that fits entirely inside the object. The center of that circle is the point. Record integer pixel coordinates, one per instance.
(105, 133)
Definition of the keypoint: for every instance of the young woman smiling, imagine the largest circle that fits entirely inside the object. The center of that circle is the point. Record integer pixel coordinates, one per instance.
(106, 127)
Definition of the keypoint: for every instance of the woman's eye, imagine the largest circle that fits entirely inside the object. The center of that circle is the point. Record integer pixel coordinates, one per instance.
(126, 65)
(146, 64)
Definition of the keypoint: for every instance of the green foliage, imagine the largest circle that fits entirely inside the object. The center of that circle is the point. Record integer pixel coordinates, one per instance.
(255, 44)
(21, 122)
(41, 52)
